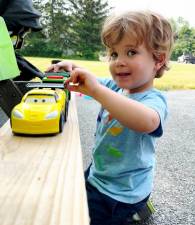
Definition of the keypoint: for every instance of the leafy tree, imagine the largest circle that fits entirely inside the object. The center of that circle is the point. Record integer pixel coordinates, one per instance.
(52, 38)
(184, 38)
(69, 27)
(87, 17)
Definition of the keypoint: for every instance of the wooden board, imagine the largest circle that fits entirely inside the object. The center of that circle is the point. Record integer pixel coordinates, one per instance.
(41, 178)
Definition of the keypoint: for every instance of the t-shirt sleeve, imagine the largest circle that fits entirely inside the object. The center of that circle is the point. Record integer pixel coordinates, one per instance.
(158, 102)
(104, 81)
(109, 83)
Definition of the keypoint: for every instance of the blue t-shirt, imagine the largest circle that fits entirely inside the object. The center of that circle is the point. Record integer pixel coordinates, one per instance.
(123, 159)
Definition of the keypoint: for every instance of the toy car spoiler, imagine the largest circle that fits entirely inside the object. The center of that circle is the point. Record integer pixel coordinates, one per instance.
(44, 85)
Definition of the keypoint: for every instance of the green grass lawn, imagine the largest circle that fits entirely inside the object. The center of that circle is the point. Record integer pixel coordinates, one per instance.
(180, 76)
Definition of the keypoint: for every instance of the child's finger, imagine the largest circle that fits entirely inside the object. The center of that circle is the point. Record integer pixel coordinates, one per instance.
(50, 68)
(56, 67)
(66, 83)
(71, 87)
(53, 68)
(61, 66)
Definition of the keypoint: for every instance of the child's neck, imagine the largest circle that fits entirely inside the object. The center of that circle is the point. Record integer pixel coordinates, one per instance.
(133, 91)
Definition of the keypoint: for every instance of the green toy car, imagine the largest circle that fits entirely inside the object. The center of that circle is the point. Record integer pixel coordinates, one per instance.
(52, 77)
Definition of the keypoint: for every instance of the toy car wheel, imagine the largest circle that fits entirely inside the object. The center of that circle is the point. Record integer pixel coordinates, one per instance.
(69, 95)
(10, 122)
(61, 123)
(66, 111)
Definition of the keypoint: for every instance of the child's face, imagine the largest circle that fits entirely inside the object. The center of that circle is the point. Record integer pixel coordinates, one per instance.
(132, 68)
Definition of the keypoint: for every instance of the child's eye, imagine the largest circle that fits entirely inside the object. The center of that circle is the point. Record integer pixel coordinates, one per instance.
(131, 52)
(113, 55)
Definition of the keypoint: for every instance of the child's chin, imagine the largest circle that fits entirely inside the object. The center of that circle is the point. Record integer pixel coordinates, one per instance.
(122, 85)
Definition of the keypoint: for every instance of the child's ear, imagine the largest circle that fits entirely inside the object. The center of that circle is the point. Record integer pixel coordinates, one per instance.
(159, 61)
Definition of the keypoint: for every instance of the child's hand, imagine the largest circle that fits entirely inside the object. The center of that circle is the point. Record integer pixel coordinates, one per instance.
(82, 81)
(61, 66)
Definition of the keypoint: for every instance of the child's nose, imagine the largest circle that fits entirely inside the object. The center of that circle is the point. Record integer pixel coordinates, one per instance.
(120, 61)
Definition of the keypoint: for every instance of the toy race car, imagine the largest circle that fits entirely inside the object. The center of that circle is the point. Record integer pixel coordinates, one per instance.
(58, 77)
(41, 111)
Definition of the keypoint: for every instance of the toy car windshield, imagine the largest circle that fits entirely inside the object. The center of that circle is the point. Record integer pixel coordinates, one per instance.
(36, 99)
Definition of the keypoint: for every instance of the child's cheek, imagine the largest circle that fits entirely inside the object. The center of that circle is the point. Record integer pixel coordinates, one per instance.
(111, 68)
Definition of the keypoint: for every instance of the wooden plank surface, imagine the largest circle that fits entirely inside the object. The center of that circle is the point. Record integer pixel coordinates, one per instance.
(41, 178)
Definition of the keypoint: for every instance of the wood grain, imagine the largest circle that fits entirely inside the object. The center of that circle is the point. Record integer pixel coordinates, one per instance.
(41, 178)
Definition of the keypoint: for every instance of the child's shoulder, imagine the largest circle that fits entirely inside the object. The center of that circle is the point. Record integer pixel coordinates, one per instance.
(151, 92)
(152, 95)
(156, 93)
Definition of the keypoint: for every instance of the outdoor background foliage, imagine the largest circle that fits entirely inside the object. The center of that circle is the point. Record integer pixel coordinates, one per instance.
(71, 29)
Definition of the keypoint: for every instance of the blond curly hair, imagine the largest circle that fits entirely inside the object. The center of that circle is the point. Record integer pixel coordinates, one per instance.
(145, 27)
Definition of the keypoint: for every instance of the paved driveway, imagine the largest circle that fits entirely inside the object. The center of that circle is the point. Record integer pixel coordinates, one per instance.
(174, 188)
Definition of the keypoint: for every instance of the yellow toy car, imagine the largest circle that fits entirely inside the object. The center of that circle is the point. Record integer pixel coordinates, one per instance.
(41, 111)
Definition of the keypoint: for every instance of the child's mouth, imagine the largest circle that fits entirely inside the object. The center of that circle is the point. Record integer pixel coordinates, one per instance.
(123, 74)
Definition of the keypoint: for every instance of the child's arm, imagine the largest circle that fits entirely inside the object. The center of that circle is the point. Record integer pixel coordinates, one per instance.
(130, 113)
